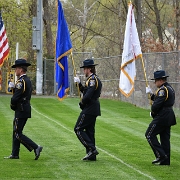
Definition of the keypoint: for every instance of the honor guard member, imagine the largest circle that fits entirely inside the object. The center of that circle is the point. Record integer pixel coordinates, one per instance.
(90, 105)
(20, 103)
(163, 118)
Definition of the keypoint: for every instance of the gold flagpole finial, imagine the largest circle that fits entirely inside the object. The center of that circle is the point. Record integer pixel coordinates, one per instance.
(130, 2)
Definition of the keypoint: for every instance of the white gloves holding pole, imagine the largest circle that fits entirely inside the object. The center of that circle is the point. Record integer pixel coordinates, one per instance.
(11, 85)
(76, 79)
(148, 90)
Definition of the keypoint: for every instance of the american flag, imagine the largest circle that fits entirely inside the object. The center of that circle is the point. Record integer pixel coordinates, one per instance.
(4, 47)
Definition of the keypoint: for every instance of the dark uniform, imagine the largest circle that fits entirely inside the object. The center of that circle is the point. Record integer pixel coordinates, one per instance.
(163, 118)
(20, 103)
(90, 105)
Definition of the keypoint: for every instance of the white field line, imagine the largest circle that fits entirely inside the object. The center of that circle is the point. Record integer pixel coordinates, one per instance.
(111, 155)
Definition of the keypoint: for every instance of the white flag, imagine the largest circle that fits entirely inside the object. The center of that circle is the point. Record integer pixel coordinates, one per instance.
(131, 51)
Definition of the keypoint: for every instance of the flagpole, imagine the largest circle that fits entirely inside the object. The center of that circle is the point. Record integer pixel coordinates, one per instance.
(145, 77)
(74, 70)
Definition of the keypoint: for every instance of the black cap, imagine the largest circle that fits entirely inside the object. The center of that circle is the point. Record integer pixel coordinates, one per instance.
(87, 63)
(20, 63)
(159, 74)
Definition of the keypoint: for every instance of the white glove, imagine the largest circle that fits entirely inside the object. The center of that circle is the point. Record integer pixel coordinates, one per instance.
(150, 114)
(76, 79)
(148, 90)
(11, 85)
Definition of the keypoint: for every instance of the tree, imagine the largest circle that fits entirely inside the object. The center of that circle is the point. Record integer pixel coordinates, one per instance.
(82, 15)
(32, 7)
(48, 32)
(18, 20)
(156, 11)
(139, 17)
(157, 15)
(177, 13)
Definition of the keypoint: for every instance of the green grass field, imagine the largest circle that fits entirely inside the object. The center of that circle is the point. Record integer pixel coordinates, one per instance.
(124, 153)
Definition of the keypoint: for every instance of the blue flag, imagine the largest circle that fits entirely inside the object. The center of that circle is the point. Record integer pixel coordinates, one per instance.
(63, 47)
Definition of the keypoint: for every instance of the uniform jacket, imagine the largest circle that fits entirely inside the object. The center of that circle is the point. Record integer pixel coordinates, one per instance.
(20, 101)
(161, 109)
(91, 93)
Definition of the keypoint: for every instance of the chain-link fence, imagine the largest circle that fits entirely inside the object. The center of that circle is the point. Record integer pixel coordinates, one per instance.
(108, 70)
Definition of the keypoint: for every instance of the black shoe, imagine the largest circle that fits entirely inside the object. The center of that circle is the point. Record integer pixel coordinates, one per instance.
(92, 159)
(90, 155)
(159, 160)
(37, 152)
(11, 157)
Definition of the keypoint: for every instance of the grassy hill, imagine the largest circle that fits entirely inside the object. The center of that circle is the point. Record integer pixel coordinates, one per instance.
(124, 153)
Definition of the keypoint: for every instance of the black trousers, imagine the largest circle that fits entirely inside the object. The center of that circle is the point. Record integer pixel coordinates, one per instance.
(159, 148)
(85, 130)
(19, 137)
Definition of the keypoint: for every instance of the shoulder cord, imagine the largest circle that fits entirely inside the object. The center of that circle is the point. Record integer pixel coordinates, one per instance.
(161, 89)
(87, 82)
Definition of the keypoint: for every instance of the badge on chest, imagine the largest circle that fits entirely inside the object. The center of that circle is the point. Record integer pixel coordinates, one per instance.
(161, 93)
(19, 85)
(92, 83)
